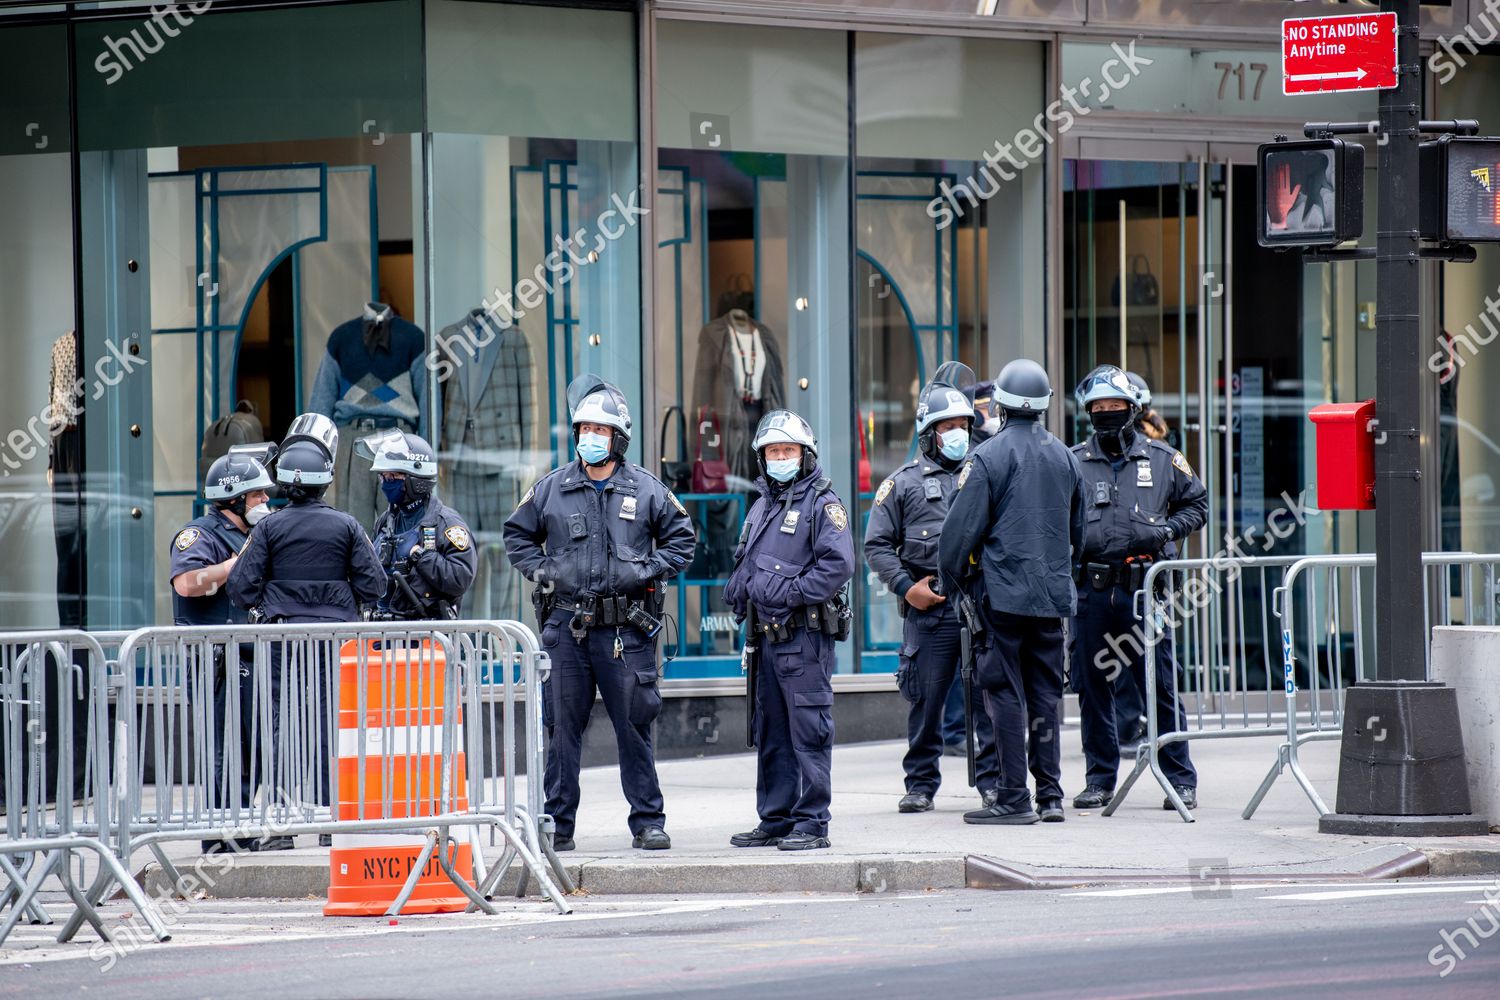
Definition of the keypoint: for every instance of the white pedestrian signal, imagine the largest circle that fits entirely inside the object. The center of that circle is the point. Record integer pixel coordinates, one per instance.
(1311, 193)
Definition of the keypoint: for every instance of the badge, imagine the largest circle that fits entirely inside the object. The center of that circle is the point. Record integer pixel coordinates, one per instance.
(963, 477)
(884, 491)
(789, 523)
(1143, 472)
(627, 508)
(429, 537)
(529, 494)
(838, 515)
(458, 537)
(1181, 464)
(677, 503)
(186, 537)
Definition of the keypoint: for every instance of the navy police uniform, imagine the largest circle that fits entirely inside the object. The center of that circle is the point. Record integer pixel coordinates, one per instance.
(1019, 508)
(795, 553)
(600, 549)
(307, 563)
(901, 546)
(1139, 504)
(439, 573)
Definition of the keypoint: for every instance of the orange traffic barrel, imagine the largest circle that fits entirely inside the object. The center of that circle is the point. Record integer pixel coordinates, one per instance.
(403, 714)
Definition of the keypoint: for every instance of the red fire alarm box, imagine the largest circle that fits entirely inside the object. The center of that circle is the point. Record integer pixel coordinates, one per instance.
(1346, 455)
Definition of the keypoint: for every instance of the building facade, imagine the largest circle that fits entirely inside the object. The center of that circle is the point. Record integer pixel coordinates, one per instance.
(722, 207)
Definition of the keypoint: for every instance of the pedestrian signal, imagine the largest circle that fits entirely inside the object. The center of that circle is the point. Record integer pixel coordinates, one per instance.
(1311, 193)
(1461, 189)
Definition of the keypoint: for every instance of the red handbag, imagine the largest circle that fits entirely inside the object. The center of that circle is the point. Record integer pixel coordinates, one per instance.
(865, 472)
(710, 475)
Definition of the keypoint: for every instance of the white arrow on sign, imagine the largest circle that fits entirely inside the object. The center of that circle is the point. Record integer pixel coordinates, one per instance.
(1358, 74)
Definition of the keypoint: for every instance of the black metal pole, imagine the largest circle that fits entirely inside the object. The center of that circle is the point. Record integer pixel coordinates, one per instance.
(1401, 764)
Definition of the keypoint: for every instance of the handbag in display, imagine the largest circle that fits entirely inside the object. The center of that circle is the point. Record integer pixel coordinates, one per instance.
(710, 475)
(866, 473)
(1141, 286)
(676, 473)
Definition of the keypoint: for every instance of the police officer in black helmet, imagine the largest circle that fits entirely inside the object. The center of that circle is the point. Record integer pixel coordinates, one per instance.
(423, 544)
(1009, 537)
(1142, 498)
(901, 546)
(202, 554)
(600, 536)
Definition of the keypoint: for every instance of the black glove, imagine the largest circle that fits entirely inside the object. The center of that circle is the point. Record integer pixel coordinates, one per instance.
(1149, 539)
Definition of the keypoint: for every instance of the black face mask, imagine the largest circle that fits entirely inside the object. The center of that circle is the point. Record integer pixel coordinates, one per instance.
(1115, 429)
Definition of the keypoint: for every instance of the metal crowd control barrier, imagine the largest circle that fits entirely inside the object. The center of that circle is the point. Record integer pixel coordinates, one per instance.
(1230, 625)
(52, 820)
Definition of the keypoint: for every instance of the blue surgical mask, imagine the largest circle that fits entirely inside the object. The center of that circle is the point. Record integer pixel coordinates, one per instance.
(393, 489)
(593, 448)
(784, 470)
(955, 443)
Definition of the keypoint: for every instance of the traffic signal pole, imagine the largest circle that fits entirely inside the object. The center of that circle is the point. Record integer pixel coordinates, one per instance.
(1401, 770)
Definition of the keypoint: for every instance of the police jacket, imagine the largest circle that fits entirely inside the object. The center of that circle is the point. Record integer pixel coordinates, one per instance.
(1138, 504)
(1020, 500)
(901, 542)
(205, 541)
(795, 549)
(610, 543)
(307, 562)
(442, 568)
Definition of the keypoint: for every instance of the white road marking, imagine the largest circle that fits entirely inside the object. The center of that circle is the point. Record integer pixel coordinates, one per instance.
(1226, 880)
(1395, 890)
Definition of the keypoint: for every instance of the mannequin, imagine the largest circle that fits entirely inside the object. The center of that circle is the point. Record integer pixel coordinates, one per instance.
(371, 378)
(488, 423)
(65, 476)
(739, 378)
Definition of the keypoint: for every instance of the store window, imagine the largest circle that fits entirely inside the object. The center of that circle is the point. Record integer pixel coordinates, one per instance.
(949, 247)
(40, 491)
(533, 269)
(233, 218)
(752, 287)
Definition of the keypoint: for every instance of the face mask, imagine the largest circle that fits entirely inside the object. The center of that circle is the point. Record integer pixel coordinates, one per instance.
(256, 514)
(393, 490)
(784, 470)
(1110, 421)
(593, 448)
(990, 427)
(955, 444)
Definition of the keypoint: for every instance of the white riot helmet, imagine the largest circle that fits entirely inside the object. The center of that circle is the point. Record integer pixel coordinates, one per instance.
(592, 400)
(785, 427)
(1107, 382)
(316, 428)
(395, 451)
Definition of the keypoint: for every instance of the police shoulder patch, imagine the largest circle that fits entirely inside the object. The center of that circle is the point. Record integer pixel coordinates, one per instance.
(837, 515)
(458, 536)
(677, 503)
(527, 498)
(963, 477)
(1181, 464)
(186, 537)
(884, 491)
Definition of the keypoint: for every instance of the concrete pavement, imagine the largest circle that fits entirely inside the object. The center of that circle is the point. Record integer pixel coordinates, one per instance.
(877, 849)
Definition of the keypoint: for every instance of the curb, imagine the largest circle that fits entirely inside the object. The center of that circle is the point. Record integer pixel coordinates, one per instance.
(987, 873)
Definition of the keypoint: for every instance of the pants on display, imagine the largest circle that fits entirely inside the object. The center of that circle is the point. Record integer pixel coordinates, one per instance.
(1102, 615)
(1023, 677)
(794, 735)
(628, 687)
(354, 487)
(930, 643)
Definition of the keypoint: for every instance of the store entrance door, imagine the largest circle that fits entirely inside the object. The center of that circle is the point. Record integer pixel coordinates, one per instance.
(1163, 276)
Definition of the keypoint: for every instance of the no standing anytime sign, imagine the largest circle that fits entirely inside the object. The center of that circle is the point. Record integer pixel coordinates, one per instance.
(1350, 52)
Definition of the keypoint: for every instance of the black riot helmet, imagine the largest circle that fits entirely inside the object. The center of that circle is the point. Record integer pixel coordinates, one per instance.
(592, 400)
(785, 427)
(1023, 389)
(232, 478)
(945, 397)
(305, 470)
(394, 450)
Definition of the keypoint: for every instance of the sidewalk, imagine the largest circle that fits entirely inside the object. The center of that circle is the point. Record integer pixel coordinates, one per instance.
(876, 848)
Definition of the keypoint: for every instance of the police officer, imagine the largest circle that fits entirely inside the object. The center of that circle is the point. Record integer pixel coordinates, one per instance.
(1147, 421)
(423, 544)
(901, 546)
(305, 563)
(1142, 498)
(1018, 513)
(202, 554)
(794, 557)
(600, 536)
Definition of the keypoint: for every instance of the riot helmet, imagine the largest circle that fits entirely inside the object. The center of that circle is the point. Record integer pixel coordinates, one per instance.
(1114, 428)
(1142, 389)
(230, 481)
(393, 451)
(314, 427)
(1022, 388)
(785, 427)
(591, 400)
(944, 398)
(304, 469)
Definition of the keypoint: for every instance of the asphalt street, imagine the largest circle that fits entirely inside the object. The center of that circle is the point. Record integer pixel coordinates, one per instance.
(1211, 938)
